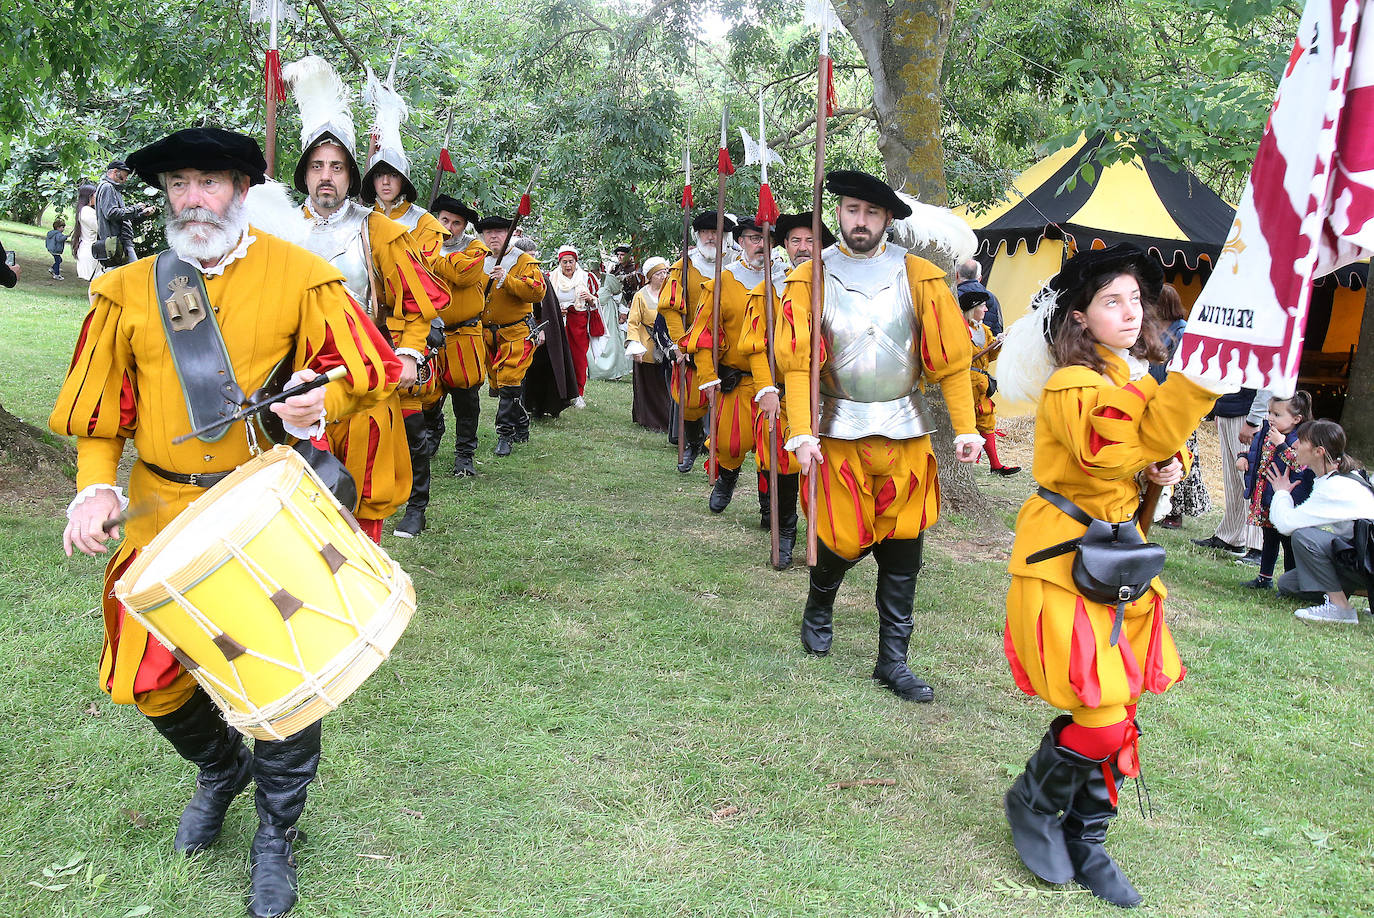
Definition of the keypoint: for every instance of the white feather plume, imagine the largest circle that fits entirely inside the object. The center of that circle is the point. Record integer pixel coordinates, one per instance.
(270, 208)
(389, 112)
(320, 95)
(1025, 363)
(754, 151)
(937, 227)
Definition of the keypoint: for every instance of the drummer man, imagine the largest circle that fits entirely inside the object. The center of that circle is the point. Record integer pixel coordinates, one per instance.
(124, 383)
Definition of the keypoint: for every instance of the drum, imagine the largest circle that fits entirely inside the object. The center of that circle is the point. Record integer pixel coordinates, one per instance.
(267, 592)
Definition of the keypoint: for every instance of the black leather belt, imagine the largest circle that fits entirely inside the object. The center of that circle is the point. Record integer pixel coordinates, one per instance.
(195, 479)
(468, 324)
(509, 324)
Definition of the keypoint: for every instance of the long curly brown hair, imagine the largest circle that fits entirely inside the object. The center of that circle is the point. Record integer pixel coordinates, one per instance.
(1074, 345)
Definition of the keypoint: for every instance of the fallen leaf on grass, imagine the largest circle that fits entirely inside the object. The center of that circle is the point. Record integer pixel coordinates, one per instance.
(139, 820)
(93, 710)
(416, 813)
(724, 812)
(863, 782)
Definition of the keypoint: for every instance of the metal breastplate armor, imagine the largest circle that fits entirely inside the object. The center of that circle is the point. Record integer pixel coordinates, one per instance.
(338, 239)
(410, 218)
(870, 385)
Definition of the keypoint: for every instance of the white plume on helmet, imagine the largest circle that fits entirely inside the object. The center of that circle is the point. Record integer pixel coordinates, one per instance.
(1025, 364)
(270, 208)
(389, 112)
(937, 227)
(323, 100)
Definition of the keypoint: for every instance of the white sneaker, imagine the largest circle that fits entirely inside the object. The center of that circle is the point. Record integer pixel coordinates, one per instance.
(1328, 611)
(579, 402)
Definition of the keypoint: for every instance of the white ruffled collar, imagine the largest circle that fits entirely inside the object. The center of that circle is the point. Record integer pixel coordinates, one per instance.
(239, 251)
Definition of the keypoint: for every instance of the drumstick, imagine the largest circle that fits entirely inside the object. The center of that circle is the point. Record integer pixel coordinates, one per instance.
(120, 519)
(252, 408)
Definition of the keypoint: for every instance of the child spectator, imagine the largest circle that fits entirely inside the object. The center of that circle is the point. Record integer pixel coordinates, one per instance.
(56, 241)
(1273, 446)
(985, 347)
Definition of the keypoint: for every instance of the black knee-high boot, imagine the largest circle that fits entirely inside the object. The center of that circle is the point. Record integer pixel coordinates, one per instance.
(828, 573)
(723, 490)
(899, 561)
(788, 487)
(283, 769)
(1085, 831)
(512, 421)
(417, 435)
(200, 736)
(1038, 798)
(696, 441)
(467, 409)
(434, 427)
(765, 508)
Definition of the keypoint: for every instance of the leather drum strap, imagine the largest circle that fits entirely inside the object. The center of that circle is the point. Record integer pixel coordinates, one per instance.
(198, 351)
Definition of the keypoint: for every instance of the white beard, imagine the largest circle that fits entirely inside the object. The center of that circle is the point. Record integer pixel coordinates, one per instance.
(213, 237)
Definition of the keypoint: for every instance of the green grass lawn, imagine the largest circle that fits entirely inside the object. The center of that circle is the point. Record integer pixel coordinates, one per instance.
(602, 708)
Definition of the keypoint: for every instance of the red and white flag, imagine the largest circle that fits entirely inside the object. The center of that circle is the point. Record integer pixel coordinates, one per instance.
(1307, 210)
(758, 154)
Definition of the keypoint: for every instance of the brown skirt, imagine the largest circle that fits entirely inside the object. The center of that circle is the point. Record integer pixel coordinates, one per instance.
(651, 403)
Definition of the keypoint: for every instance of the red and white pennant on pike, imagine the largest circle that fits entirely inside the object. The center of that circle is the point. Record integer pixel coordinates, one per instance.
(1307, 210)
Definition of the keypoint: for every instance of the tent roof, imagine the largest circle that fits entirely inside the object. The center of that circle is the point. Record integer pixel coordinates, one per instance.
(1141, 200)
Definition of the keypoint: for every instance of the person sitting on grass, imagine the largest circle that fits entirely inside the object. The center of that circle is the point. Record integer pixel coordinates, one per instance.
(1322, 525)
(1272, 446)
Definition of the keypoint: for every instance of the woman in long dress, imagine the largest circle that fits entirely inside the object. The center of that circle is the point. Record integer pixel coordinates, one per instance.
(1101, 420)
(87, 268)
(576, 292)
(608, 360)
(651, 401)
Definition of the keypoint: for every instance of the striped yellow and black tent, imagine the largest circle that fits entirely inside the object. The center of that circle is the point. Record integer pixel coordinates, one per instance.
(1023, 239)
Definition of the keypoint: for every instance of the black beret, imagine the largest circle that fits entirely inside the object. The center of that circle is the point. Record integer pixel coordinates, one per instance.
(453, 206)
(706, 220)
(118, 164)
(788, 222)
(745, 225)
(494, 222)
(206, 148)
(972, 299)
(1090, 266)
(850, 184)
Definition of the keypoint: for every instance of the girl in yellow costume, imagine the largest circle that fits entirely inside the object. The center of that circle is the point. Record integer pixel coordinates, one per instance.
(974, 305)
(1101, 421)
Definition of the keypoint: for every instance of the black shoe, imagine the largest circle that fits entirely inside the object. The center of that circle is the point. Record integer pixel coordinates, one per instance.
(411, 525)
(899, 561)
(1251, 557)
(502, 446)
(690, 454)
(1007, 471)
(1216, 544)
(723, 490)
(1085, 832)
(463, 467)
(817, 630)
(272, 864)
(1259, 583)
(1172, 521)
(199, 734)
(787, 519)
(1036, 799)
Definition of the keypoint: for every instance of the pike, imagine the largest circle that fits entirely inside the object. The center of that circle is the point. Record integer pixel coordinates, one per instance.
(682, 282)
(445, 163)
(825, 105)
(257, 406)
(767, 218)
(522, 211)
(724, 167)
(275, 88)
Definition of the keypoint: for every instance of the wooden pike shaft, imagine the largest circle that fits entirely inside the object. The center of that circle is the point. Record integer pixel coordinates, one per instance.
(271, 132)
(438, 168)
(773, 375)
(715, 325)
(817, 300)
(682, 369)
(1145, 515)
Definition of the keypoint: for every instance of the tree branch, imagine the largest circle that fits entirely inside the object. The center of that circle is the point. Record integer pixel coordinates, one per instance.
(794, 139)
(329, 21)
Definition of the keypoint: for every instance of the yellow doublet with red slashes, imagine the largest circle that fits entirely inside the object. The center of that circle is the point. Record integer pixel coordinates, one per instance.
(275, 302)
(876, 488)
(677, 303)
(464, 361)
(753, 342)
(734, 430)
(1093, 434)
(509, 350)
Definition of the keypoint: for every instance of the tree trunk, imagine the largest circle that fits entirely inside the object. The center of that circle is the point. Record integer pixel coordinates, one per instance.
(1358, 415)
(904, 47)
